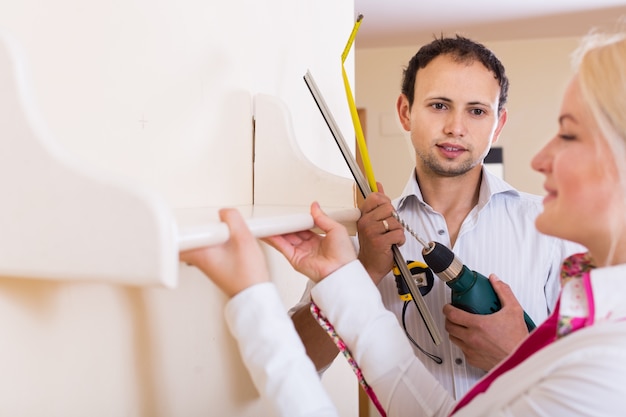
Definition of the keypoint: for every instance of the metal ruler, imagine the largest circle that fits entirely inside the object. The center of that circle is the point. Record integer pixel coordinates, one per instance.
(365, 190)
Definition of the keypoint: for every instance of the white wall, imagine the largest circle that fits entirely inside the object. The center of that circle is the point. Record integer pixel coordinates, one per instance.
(538, 70)
(155, 92)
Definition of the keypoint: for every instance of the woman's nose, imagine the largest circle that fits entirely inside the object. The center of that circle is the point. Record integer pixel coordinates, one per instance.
(542, 159)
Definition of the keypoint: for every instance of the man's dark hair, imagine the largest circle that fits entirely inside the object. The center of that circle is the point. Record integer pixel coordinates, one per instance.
(461, 49)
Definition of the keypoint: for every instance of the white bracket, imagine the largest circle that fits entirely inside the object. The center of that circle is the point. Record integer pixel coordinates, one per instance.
(63, 220)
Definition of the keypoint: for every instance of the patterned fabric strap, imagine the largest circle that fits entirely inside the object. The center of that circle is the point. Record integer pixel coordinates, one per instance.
(326, 325)
(580, 309)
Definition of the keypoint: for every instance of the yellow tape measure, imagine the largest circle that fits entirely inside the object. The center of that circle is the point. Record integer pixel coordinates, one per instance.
(420, 273)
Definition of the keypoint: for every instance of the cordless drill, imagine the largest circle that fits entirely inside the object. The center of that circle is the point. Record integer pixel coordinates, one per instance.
(471, 291)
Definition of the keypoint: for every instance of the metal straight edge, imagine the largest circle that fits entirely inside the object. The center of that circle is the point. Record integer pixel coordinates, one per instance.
(365, 190)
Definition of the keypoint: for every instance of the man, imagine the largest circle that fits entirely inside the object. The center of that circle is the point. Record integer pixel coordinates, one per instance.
(452, 103)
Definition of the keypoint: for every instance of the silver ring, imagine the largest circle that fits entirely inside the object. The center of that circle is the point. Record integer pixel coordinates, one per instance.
(386, 225)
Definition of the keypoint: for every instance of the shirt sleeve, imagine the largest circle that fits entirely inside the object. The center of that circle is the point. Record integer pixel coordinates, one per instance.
(305, 299)
(274, 355)
(351, 302)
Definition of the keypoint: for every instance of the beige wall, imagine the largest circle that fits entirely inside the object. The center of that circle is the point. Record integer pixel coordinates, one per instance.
(538, 70)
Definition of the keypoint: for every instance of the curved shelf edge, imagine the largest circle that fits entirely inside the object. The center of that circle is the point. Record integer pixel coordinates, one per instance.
(279, 163)
(62, 220)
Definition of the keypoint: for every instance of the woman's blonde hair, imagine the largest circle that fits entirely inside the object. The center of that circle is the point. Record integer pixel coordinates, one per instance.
(600, 63)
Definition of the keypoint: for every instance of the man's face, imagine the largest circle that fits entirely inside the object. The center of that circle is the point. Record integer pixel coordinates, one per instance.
(454, 118)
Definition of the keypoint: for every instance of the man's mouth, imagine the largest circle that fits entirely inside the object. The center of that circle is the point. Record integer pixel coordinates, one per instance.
(451, 151)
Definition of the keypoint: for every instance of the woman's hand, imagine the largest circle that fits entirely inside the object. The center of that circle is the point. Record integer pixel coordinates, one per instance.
(314, 255)
(234, 265)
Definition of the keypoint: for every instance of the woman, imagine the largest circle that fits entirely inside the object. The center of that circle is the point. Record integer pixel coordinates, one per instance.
(573, 364)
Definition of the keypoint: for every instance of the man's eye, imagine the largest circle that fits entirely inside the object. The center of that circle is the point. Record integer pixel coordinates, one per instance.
(439, 106)
(567, 137)
(478, 112)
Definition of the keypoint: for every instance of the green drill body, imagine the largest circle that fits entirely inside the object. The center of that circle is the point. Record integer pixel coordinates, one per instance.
(471, 291)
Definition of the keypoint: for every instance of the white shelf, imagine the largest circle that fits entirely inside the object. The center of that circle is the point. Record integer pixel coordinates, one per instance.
(62, 220)
(200, 227)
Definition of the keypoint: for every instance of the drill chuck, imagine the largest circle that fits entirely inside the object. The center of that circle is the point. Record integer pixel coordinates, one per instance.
(442, 261)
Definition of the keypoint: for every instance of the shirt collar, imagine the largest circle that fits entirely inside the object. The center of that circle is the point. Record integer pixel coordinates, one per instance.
(489, 187)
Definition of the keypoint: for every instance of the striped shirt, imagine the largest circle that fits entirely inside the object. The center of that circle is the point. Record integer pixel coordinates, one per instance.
(497, 236)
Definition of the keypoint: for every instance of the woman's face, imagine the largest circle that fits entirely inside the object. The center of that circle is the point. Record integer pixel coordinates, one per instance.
(581, 179)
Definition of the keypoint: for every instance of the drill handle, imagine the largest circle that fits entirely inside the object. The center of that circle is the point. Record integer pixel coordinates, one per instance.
(474, 293)
(530, 324)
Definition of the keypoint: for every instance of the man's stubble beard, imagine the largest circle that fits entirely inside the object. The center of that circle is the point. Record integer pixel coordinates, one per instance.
(435, 166)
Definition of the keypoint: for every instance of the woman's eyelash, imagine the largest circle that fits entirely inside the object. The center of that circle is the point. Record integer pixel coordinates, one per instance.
(567, 137)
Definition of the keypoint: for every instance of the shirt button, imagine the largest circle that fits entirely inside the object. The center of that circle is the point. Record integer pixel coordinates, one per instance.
(458, 361)
(441, 232)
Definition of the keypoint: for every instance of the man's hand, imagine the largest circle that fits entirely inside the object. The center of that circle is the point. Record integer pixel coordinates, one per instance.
(377, 231)
(487, 339)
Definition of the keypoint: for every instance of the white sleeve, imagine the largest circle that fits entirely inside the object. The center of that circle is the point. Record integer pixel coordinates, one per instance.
(579, 375)
(351, 302)
(274, 355)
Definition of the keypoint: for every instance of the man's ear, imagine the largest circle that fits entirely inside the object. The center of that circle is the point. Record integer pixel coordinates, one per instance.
(404, 112)
(501, 122)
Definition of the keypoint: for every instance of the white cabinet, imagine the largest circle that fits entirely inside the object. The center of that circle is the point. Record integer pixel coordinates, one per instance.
(61, 219)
